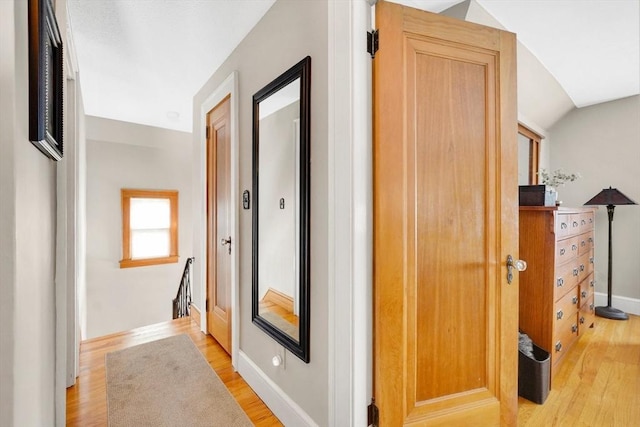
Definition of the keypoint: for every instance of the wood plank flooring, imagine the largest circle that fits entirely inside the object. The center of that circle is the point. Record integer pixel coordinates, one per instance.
(598, 384)
(86, 401)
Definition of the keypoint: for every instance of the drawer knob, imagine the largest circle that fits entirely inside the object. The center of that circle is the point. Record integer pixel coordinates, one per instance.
(583, 243)
(574, 299)
(559, 314)
(560, 282)
(591, 260)
(591, 306)
(590, 239)
(581, 320)
(592, 283)
(575, 223)
(583, 222)
(574, 247)
(574, 328)
(558, 346)
(563, 226)
(581, 267)
(575, 271)
(584, 294)
(562, 251)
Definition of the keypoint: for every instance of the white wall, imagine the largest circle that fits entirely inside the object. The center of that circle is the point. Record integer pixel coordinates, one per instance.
(602, 143)
(126, 155)
(541, 99)
(288, 32)
(27, 245)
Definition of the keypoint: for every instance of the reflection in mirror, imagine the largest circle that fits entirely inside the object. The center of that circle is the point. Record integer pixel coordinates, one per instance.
(277, 264)
(280, 213)
(524, 156)
(528, 155)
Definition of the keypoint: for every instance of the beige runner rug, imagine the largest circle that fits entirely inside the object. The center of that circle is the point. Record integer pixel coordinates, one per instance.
(167, 383)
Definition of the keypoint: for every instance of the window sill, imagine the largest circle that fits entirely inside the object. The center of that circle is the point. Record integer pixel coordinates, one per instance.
(128, 263)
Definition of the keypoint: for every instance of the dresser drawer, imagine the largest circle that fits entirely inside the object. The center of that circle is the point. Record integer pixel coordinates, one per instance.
(587, 314)
(574, 224)
(585, 221)
(563, 222)
(587, 287)
(566, 278)
(566, 307)
(585, 243)
(585, 266)
(565, 336)
(567, 249)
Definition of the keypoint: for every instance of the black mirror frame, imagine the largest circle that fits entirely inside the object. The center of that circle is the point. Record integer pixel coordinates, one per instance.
(301, 70)
(46, 80)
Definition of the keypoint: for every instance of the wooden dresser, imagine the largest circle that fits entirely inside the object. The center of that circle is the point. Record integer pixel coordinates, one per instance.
(556, 290)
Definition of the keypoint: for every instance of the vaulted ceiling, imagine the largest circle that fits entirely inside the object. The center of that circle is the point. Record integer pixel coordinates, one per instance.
(142, 61)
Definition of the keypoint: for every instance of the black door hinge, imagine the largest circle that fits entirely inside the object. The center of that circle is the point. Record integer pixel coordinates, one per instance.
(372, 43)
(373, 418)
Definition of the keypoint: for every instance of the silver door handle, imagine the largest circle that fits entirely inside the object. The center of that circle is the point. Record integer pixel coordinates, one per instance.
(518, 264)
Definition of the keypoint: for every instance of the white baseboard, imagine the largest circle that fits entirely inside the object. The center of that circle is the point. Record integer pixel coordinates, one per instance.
(287, 411)
(626, 304)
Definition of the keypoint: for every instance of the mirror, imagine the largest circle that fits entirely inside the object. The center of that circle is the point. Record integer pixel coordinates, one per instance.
(280, 305)
(528, 155)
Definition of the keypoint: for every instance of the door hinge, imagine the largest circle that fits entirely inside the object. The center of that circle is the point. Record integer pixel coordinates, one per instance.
(372, 43)
(372, 414)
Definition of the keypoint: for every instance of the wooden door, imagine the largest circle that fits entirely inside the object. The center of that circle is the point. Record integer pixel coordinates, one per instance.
(219, 244)
(445, 219)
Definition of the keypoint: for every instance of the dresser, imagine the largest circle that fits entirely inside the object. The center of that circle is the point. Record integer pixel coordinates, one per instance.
(557, 289)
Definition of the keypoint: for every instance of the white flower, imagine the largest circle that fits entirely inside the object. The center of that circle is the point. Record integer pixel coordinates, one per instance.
(557, 178)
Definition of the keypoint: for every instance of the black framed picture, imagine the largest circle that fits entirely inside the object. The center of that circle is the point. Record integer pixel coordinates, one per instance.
(45, 79)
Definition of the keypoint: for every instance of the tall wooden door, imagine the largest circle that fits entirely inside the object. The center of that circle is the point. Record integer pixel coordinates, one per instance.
(219, 244)
(445, 220)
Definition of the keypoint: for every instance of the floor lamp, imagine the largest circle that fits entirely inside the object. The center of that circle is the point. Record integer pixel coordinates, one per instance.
(610, 197)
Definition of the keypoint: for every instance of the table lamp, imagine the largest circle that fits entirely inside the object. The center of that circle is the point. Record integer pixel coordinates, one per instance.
(610, 197)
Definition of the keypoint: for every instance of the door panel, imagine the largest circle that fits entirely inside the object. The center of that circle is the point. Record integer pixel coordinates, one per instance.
(445, 145)
(219, 224)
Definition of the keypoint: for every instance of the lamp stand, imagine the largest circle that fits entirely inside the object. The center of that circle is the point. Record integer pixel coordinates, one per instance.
(608, 311)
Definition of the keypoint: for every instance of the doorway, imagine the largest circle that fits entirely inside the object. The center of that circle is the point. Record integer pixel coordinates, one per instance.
(227, 90)
(220, 243)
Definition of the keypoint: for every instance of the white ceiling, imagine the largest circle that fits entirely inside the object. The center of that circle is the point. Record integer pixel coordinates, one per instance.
(142, 61)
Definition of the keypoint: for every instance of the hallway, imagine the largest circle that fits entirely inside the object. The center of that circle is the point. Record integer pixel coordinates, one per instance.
(86, 401)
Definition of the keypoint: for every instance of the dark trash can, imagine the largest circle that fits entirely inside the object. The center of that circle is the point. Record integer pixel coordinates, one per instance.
(533, 375)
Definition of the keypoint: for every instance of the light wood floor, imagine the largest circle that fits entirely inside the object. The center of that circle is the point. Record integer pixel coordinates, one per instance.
(597, 386)
(86, 401)
(599, 383)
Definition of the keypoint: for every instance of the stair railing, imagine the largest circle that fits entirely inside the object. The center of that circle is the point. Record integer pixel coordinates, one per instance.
(182, 301)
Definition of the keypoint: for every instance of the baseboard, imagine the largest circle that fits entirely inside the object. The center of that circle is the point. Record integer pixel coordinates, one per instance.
(195, 314)
(287, 411)
(626, 304)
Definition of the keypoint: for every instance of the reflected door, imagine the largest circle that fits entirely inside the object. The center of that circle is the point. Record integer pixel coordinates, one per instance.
(445, 219)
(219, 244)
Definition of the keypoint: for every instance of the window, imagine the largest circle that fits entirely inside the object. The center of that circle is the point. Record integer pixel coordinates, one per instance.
(149, 227)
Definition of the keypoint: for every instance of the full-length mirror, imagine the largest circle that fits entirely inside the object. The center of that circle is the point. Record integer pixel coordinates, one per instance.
(280, 305)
